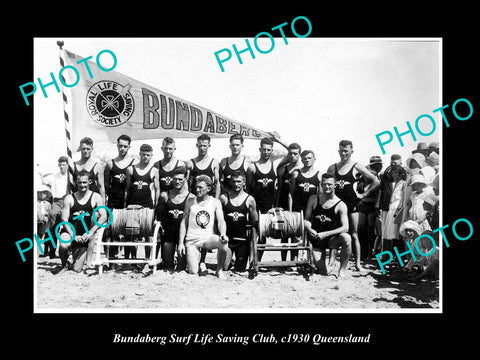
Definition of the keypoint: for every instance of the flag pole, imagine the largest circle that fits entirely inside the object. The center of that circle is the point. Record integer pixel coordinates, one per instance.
(68, 124)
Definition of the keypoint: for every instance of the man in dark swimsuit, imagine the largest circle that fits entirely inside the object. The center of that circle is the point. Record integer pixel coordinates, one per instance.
(169, 212)
(239, 209)
(96, 180)
(303, 183)
(74, 206)
(168, 165)
(203, 164)
(262, 181)
(262, 178)
(233, 163)
(346, 173)
(326, 225)
(138, 180)
(115, 175)
(286, 167)
(367, 213)
(138, 189)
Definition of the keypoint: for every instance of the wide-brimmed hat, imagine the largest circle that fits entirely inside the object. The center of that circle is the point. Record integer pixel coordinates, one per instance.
(375, 160)
(418, 157)
(410, 224)
(418, 178)
(433, 145)
(421, 148)
(433, 159)
(44, 187)
(429, 174)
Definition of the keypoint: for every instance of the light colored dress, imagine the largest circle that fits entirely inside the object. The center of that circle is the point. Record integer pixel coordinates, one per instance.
(389, 227)
(416, 212)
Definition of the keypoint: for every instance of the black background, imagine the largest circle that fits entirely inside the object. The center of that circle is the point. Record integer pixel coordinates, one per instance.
(58, 334)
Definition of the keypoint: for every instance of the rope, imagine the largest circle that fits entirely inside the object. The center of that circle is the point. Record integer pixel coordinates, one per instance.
(280, 224)
(132, 221)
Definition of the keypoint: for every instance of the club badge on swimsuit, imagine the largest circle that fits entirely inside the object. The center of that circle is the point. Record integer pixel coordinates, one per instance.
(121, 177)
(78, 213)
(202, 219)
(139, 184)
(167, 180)
(307, 186)
(175, 213)
(109, 103)
(264, 181)
(323, 219)
(341, 183)
(235, 215)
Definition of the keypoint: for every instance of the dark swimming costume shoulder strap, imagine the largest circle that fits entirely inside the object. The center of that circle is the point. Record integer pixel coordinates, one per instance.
(245, 200)
(334, 206)
(90, 199)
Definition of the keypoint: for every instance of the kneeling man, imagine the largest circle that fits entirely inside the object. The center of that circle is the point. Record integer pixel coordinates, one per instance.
(326, 224)
(197, 227)
(78, 210)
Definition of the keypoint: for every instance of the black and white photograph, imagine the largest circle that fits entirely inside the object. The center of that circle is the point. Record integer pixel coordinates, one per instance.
(262, 182)
(279, 240)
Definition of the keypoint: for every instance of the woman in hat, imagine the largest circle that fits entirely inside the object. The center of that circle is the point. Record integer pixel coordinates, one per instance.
(420, 191)
(389, 225)
(414, 164)
(410, 231)
(430, 205)
(433, 160)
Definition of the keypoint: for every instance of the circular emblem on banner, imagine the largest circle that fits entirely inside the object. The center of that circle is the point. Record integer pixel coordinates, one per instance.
(202, 218)
(110, 103)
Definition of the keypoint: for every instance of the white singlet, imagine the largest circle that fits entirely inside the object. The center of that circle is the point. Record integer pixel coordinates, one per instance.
(200, 222)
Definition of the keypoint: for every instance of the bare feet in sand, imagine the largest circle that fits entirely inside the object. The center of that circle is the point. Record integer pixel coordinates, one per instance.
(221, 275)
(342, 273)
(358, 267)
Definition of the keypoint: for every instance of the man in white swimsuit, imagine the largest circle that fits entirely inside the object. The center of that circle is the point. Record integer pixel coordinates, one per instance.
(197, 227)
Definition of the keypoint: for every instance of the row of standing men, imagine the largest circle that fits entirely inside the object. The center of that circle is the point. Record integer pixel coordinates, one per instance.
(289, 185)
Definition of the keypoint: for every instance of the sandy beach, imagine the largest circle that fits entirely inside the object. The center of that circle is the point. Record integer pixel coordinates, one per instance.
(281, 289)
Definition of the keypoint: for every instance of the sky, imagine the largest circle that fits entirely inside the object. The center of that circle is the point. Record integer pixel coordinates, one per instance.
(314, 91)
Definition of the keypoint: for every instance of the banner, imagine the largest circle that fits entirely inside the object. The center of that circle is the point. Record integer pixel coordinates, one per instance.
(105, 105)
